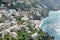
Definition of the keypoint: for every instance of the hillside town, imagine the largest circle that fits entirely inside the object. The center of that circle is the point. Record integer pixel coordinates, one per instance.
(22, 22)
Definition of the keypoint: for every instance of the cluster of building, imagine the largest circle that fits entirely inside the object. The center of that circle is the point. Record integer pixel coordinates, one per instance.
(31, 16)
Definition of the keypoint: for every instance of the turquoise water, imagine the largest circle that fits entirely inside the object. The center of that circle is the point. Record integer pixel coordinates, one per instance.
(51, 24)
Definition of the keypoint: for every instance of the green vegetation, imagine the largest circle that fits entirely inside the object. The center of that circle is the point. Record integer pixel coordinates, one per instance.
(22, 35)
(19, 21)
(9, 37)
(18, 18)
(0, 37)
(2, 21)
(21, 5)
